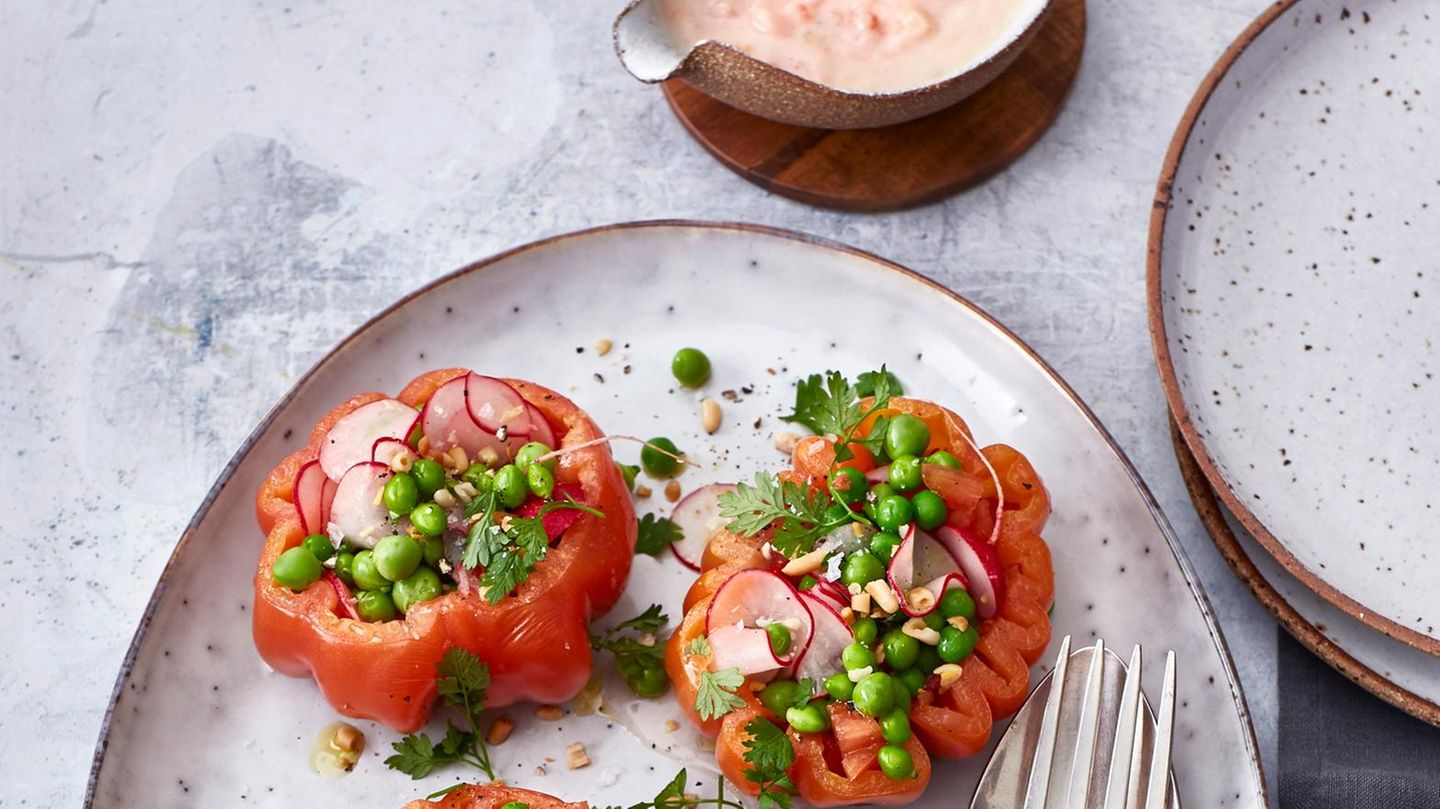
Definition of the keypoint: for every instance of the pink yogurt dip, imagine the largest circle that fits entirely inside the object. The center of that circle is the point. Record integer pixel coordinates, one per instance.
(868, 46)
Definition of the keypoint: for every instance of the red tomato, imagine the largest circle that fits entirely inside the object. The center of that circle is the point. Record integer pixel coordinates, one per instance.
(493, 796)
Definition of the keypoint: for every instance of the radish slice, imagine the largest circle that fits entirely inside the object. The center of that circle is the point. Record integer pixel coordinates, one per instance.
(698, 515)
(922, 561)
(358, 512)
(327, 502)
(353, 437)
(752, 596)
(829, 639)
(831, 592)
(539, 431)
(310, 497)
(494, 404)
(557, 520)
(746, 648)
(981, 564)
(347, 601)
(880, 474)
(447, 423)
(388, 450)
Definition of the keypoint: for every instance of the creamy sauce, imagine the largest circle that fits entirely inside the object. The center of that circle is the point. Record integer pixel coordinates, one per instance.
(864, 45)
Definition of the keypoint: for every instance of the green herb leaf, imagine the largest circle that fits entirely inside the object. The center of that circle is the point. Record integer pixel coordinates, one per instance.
(463, 682)
(879, 383)
(636, 656)
(416, 756)
(716, 695)
(770, 755)
(511, 564)
(797, 512)
(651, 620)
(698, 646)
(656, 534)
(826, 404)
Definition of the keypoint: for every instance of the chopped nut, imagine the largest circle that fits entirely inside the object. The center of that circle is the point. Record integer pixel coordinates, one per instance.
(916, 628)
(808, 563)
(672, 491)
(466, 492)
(540, 770)
(349, 738)
(856, 675)
(444, 498)
(879, 653)
(671, 726)
(786, 442)
(860, 602)
(642, 491)
(647, 640)
(854, 589)
(883, 595)
(499, 731)
(710, 415)
(576, 757)
(550, 713)
(921, 599)
(960, 622)
(603, 346)
(847, 615)
(949, 674)
(424, 446)
(489, 456)
(402, 462)
(460, 458)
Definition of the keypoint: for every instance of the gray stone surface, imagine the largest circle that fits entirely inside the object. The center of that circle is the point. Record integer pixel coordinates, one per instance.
(197, 200)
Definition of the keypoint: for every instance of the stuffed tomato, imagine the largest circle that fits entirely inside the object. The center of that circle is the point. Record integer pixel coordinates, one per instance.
(881, 602)
(466, 511)
(494, 796)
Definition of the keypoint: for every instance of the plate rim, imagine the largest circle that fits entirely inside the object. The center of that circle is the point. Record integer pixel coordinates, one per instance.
(1197, 591)
(1212, 517)
(1164, 360)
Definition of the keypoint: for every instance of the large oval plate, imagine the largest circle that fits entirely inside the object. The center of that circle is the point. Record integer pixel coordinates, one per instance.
(1292, 299)
(198, 720)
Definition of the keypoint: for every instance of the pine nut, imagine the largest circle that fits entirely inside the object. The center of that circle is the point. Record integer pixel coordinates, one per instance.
(499, 731)
(921, 599)
(960, 622)
(710, 415)
(808, 563)
(949, 674)
(603, 346)
(883, 595)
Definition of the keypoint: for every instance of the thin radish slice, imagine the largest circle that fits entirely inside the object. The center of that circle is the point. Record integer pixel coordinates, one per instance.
(880, 474)
(347, 601)
(555, 521)
(310, 497)
(981, 565)
(353, 437)
(698, 515)
(752, 597)
(540, 431)
(922, 561)
(358, 512)
(494, 404)
(956, 429)
(327, 502)
(831, 592)
(831, 636)
(389, 450)
(447, 423)
(746, 648)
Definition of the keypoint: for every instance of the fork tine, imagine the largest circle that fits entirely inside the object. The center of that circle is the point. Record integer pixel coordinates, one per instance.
(1084, 762)
(1126, 739)
(1159, 788)
(1038, 789)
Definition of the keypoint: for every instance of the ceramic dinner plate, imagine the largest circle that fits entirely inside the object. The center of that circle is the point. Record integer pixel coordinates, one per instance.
(198, 720)
(1293, 294)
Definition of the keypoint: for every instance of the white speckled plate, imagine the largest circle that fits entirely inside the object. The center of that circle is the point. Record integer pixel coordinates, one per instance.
(1294, 285)
(197, 720)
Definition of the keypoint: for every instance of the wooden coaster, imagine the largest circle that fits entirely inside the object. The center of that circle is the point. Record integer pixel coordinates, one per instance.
(907, 164)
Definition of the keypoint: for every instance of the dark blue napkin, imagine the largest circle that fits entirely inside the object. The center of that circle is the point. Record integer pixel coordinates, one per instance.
(1343, 748)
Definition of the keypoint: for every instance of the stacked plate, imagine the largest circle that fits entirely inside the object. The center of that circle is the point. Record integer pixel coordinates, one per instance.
(1293, 293)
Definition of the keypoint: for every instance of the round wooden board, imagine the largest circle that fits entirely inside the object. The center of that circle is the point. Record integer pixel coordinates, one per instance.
(907, 164)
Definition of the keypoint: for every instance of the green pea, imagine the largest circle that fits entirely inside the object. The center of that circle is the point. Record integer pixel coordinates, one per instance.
(927, 662)
(434, 550)
(883, 545)
(839, 687)
(849, 485)
(420, 586)
(901, 650)
(319, 545)
(540, 480)
(913, 678)
(905, 473)
(650, 681)
(836, 513)
(861, 568)
(808, 719)
(478, 475)
(930, 511)
(780, 695)
(397, 556)
(956, 645)
(806, 583)
(628, 471)
(516, 805)
(297, 569)
(527, 454)
(429, 477)
(957, 602)
(866, 630)
(906, 435)
(428, 519)
(874, 695)
(375, 605)
(367, 576)
(894, 513)
(878, 492)
(511, 486)
(344, 561)
(857, 656)
(656, 462)
(934, 620)
(943, 458)
(902, 694)
(691, 367)
(401, 494)
(895, 727)
(779, 638)
(895, 762)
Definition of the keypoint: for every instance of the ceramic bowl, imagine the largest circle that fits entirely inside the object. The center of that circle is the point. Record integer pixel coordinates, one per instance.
(645, 47)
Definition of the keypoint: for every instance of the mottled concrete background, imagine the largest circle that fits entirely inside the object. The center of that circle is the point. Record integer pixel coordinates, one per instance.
(198, 199)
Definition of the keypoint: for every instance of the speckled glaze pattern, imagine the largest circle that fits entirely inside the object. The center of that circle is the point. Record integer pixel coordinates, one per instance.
(762, 89)
(193, 676)
(1402, 675)
(1292, 287)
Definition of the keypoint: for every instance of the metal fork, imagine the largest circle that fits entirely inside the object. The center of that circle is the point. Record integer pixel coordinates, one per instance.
(1092, 746)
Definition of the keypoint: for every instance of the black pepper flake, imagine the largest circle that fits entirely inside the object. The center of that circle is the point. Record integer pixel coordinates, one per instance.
(729, 396)
(599, 378)
(579, 349)
(757, 423)
(627, 369)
